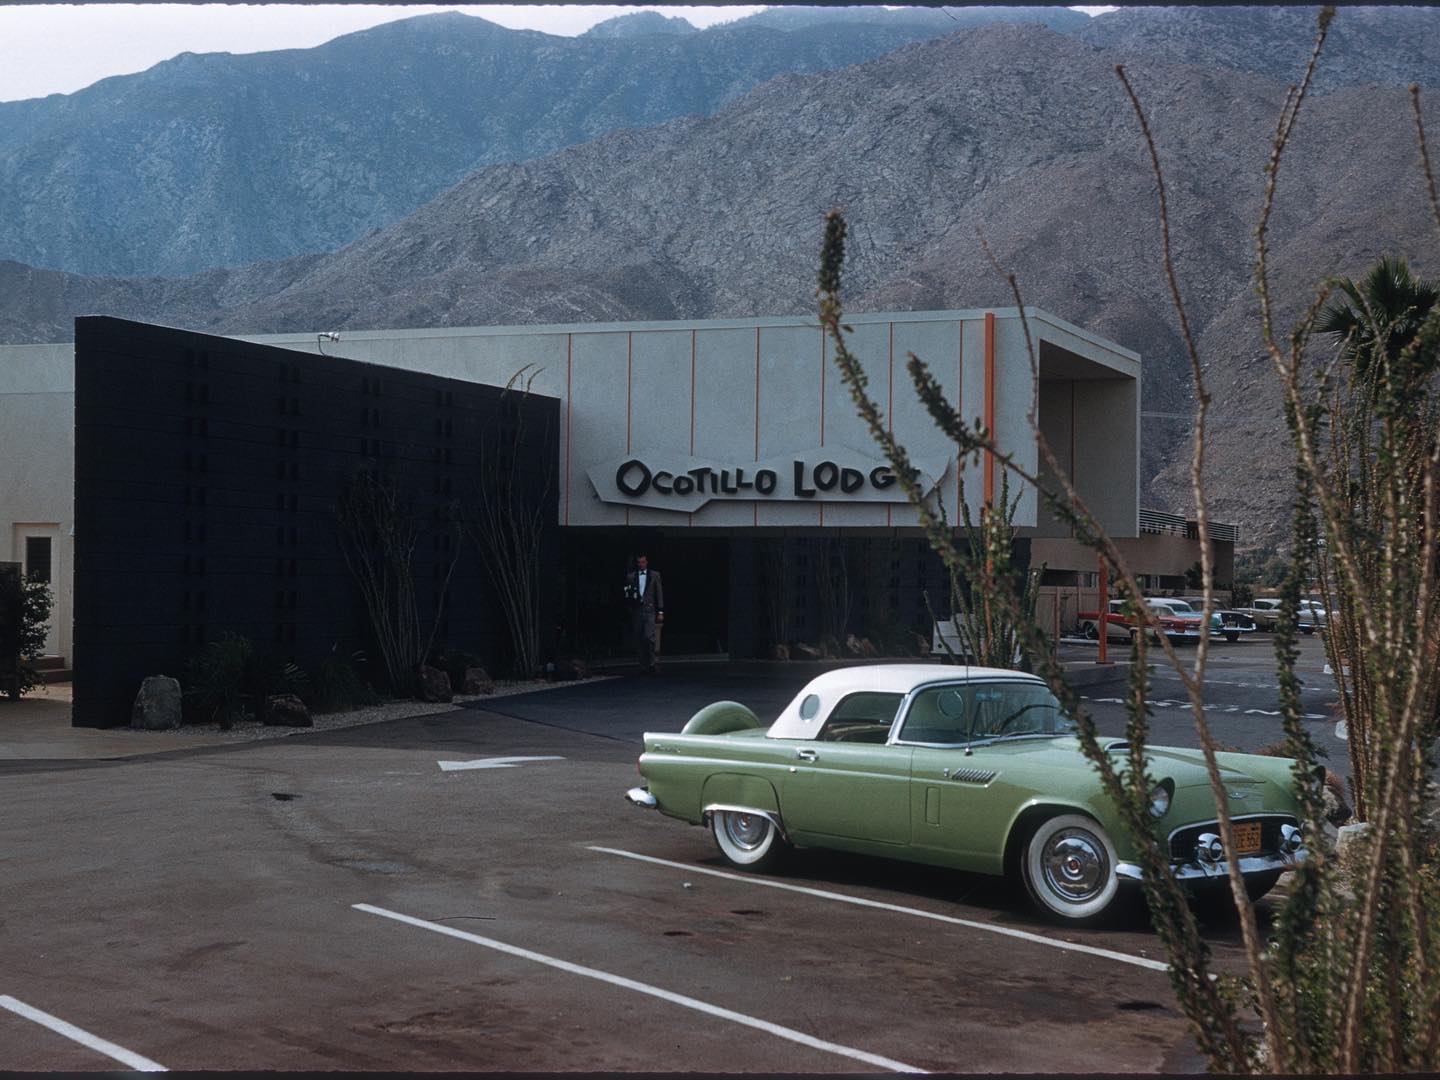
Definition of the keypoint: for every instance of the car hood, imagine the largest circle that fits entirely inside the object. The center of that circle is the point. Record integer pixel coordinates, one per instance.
(1186, 767)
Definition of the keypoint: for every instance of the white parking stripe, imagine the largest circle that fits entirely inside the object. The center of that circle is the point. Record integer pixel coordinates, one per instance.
(653, 991)
(84, 1038)
(1070, 946)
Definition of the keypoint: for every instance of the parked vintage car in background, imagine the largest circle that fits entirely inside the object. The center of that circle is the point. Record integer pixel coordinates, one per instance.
(976, 769)
(1266, 612)
(1194, 611)
(1233, 622)
(1121, 623)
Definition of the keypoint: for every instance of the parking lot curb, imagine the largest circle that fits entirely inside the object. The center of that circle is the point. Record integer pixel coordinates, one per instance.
(1089, 673)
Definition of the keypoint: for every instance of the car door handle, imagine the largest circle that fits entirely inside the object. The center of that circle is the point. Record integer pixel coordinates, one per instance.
(806, 755)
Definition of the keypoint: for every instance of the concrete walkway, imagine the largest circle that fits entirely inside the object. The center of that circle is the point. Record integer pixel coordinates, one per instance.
(38, 728)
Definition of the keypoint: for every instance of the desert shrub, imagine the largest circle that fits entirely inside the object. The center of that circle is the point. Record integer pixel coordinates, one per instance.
(36, 601)
(338, 683)
(214, 682)
(454, 662)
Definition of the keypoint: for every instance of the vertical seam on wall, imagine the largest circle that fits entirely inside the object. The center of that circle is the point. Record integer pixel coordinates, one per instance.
(1072, 445)
(824, 362)
(755, 506)
(629, 393)
(890, 409)
(990, 406)
(569, 408)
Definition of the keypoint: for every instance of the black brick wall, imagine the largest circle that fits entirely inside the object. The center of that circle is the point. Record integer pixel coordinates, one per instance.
(206, 476)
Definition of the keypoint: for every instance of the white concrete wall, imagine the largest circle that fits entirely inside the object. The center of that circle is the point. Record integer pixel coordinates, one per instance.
(37, 467)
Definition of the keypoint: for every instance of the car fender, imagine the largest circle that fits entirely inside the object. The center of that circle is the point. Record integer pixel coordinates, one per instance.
(719, 718)
(1035, 810)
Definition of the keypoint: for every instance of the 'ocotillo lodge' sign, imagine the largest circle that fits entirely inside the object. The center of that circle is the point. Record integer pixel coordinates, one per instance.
(676, 482)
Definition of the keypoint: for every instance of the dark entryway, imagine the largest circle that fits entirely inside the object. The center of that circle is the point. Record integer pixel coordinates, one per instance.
(595, 622)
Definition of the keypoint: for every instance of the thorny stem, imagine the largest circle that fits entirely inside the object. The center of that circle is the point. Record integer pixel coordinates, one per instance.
(1249, 931)
(1175, 923)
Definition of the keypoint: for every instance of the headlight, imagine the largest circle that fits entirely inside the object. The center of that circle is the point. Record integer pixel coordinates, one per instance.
(1160, 798)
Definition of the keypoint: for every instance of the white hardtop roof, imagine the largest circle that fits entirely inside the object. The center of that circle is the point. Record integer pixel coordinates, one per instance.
(832, 686)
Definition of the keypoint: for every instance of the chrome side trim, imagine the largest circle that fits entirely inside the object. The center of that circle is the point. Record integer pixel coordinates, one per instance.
(641, 797)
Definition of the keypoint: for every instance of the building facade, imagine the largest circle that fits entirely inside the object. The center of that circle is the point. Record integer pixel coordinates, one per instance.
(729, 450)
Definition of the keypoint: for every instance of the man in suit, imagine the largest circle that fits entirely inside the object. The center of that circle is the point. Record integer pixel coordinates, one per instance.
(647, 610)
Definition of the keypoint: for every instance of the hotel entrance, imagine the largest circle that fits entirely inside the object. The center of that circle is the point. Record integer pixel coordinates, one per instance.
(595, 621)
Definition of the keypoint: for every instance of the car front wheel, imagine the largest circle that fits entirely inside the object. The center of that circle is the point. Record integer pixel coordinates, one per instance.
(747, 840)
(1069, 869)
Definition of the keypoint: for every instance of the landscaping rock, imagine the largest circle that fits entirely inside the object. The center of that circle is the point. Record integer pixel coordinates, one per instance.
(779, 652)
(807, 652)
(1349, 842)
(287, 710)
(571, 669)
(434, 684)
(157, 705)
(477, 681)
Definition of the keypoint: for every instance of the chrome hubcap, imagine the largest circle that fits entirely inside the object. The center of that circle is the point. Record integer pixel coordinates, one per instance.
(745, 830)
(1075, 865)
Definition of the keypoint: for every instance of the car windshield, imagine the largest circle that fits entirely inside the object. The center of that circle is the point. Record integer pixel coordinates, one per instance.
(949, 715)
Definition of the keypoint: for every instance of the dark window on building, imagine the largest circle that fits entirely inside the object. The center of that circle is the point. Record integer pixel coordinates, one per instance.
(37, 557)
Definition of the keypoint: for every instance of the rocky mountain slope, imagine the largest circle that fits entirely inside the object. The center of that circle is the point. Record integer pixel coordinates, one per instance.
(219, 160)
(1015, 131)
(1367, 46)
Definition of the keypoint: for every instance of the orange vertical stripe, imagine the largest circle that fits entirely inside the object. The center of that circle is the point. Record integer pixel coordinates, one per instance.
(990, 404)
(691, 515)
(959, 411)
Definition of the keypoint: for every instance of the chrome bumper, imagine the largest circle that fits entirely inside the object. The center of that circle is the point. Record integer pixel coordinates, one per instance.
(1192, 872)
(640, 797)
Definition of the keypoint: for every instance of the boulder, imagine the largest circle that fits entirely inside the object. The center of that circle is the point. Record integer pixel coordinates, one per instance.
(1350, 843)
(477, 681)
(157, 705)
(434, 684)
(853, 646)
(922, 645)
(571, 669)
(806, 652)
(287, 710)
(780, 652)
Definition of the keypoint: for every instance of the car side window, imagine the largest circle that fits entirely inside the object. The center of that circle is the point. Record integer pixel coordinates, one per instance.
(861, 717)
(937, 715)
(950, 715)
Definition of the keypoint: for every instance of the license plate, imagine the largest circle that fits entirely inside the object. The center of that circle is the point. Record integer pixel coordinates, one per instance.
(1247, 837)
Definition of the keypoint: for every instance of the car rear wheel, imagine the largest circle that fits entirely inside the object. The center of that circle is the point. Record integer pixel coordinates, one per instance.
(1232, 635)
(746, 839)
(1068, 866)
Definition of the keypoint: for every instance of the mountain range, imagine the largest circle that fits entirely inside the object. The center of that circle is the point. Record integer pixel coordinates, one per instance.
(1012, 131)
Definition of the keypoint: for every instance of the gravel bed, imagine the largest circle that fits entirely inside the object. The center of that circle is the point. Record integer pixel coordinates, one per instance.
(390, 710)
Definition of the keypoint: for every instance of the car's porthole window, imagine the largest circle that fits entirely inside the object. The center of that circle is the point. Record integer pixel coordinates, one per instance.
(810, 707)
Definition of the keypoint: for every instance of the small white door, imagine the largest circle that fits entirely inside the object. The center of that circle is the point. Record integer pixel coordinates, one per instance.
(40, 555)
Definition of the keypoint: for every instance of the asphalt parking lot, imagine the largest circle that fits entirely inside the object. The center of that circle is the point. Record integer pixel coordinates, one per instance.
(393, 897)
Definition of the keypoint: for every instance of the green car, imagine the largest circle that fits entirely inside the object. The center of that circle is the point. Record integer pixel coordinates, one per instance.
(976, 769)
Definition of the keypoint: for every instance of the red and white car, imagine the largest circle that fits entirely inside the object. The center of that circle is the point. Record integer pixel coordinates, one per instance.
(1121, 623)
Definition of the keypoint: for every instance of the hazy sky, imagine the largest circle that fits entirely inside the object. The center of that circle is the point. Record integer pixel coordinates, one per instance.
(61, 48)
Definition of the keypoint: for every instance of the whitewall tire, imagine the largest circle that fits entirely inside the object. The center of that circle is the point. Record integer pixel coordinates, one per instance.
(1069, 868)
(747, 840)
